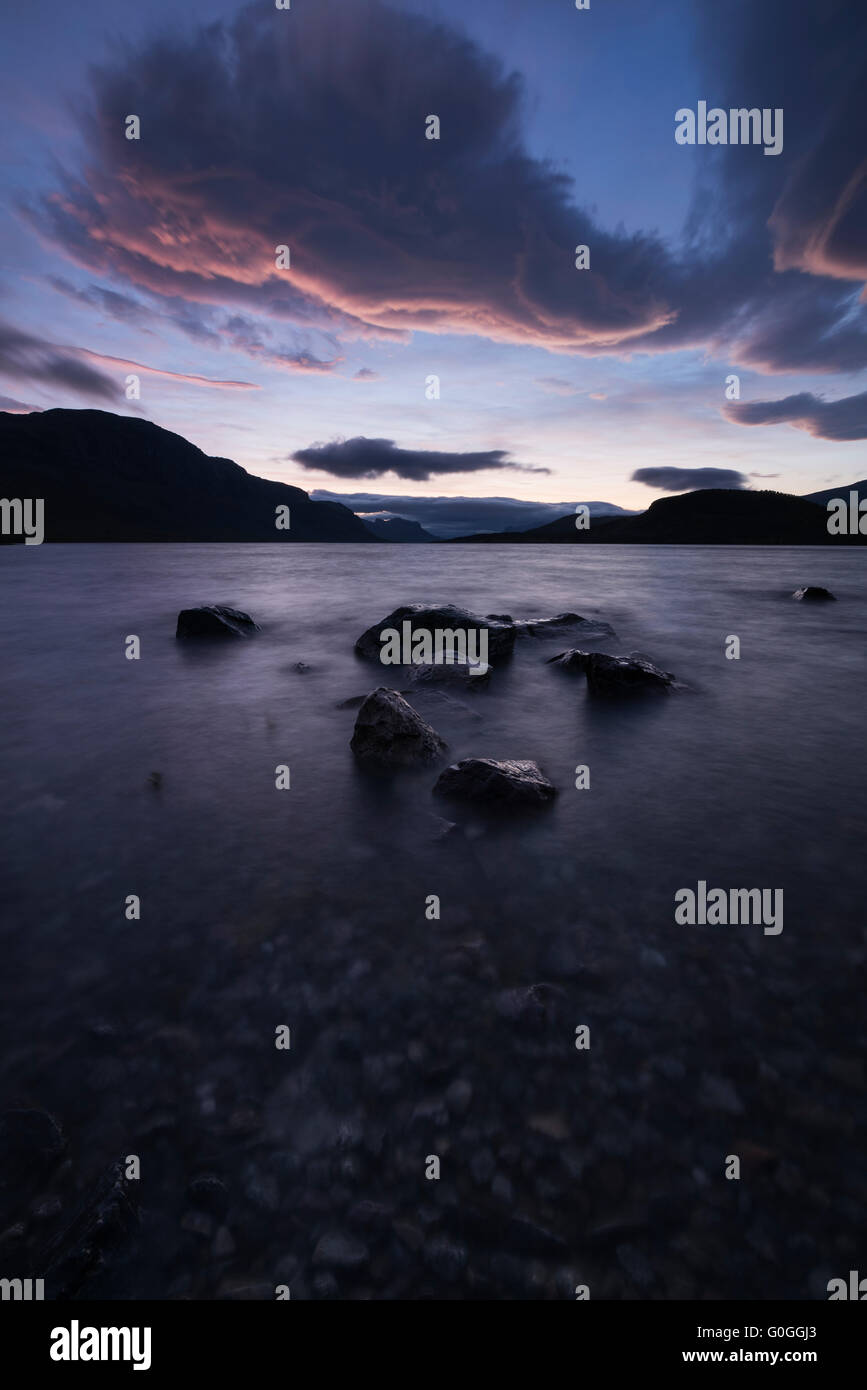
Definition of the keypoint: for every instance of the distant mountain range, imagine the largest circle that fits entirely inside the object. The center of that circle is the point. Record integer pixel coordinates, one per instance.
(712, 516)
(397, 528)
(108, 477)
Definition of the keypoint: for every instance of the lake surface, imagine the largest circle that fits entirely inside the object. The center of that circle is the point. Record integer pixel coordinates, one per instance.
(306, 907)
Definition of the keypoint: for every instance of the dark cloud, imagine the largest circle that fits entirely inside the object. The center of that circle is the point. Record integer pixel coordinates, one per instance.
(688, 479)
(462, 516)
(118, 306)
(838, 420)
(371, 458)
(311, 134)
(14, 407)
(365, 374)
(27, 358)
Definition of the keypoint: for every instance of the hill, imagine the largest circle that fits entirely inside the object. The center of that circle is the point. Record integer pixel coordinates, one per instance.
(711, 516)
(108, 477)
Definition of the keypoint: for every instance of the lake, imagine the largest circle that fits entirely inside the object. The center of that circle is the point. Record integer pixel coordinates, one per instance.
(306, 908)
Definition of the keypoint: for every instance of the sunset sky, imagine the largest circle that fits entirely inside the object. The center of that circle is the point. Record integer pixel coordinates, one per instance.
(412, 257)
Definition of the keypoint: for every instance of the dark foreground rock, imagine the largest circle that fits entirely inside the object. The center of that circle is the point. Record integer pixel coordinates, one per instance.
(813, 593)
(214, 620)
(99, 1234)
(508, 783)
(615, 675)
(388, 731)
(446, 618)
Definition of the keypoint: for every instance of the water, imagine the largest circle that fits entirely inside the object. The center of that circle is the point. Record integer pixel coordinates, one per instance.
(753, 778)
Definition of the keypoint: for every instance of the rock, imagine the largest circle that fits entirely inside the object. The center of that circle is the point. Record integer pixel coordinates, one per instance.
(563, 622)
(209, 1194)
(338, 1250)
(482, 1166)
(533, 1004)
(530, 1239)
(388, 731)
(813, 593)
(652, 958)
(445, 1258)
(224, 1244)
(635, 1264)
(199, 1223)
(439, 829)
(571, 660)
(446, 618)
(101, 1226)
(214, 620)
(718, 1093)
(460, 674)
(31, 1142)
(508, 783)
(615, 675)
(459, 1095)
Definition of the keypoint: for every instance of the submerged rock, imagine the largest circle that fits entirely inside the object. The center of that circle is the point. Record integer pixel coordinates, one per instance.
(510, 783)
(459, 675)
(615, 675)
(388, 731)
(429, 618)
(214, 620)
(563, 622)
(814, 593)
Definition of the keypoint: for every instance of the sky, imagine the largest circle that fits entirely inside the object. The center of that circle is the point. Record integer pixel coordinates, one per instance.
(412, 259)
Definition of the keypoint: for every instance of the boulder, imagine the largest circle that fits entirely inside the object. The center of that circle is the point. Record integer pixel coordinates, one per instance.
(813, 593)
(430, 618)
(388, 731)
(214, 620)
(616, 675)
(508, 783)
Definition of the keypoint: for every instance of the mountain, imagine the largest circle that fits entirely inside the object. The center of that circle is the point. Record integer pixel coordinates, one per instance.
(445, 517)
(822, 498)
(711, 516)
(109, 477)
(396, 528)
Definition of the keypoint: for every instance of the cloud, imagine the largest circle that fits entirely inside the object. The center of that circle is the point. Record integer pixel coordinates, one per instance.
(688, 479)
(371, 458)
(556, 385)
(300, 139)
(461, 516)
(130, 366)
(117, 306)
(13, 407)
(837, 420)
(388, 232)
(365, 374)
(28, 358)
